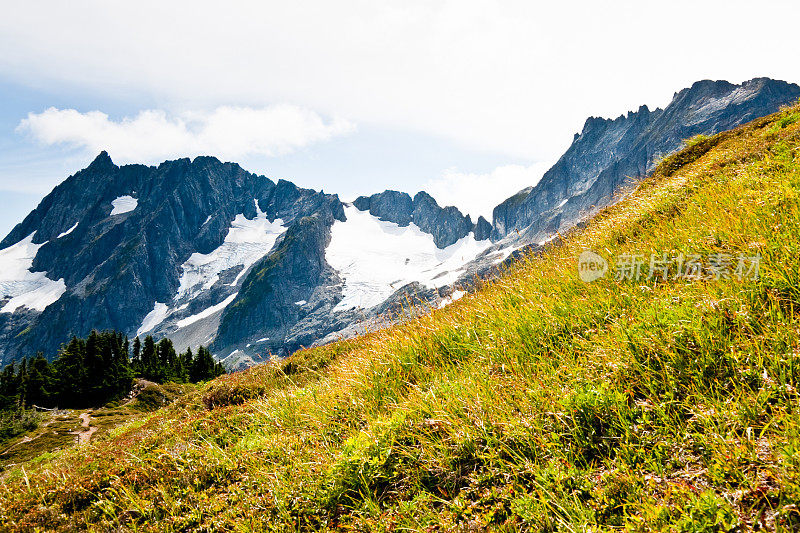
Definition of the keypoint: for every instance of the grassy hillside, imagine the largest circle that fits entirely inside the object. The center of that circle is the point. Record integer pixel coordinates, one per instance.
(48, 432)
(539, 403)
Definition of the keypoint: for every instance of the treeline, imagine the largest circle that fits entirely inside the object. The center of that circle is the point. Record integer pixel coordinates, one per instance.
(99, 369)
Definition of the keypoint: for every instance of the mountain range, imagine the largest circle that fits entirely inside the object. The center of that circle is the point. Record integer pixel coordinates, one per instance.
(204, 252)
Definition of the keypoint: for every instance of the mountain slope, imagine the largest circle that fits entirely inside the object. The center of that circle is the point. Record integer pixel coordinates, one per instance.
(117, 264)
(541, 402)
(607, 154)
(332, 273)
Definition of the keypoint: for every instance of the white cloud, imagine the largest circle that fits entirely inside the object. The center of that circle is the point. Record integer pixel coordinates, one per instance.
(513, 76)
(151, 136)
(478, 194)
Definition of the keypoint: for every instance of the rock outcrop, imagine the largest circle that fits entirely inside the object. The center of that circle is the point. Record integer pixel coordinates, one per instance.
(446, 224)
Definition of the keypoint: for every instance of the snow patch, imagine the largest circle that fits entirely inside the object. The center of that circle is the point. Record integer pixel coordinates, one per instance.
(33, 290)
(265, 339)
(70, 230)
(376, 258)
(39, 298)
(300, 302)
(548, 239)
(227, 360)
(562, 203)
(247, 241)
(457, 295)
(153, 318)
(124, 204)
(502, 254)
(205, 313)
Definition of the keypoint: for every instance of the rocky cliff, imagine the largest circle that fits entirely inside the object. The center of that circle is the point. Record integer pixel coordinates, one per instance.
(608, 153)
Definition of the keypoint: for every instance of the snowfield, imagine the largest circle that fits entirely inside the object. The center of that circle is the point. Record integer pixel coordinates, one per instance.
(153, 318)
(247, 241)
(205, 313)
(124, 204)
(33, 290)
(376, 258)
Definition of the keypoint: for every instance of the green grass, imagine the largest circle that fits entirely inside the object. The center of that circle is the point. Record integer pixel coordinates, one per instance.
(154, 396)
(540, 403)
(52, 434)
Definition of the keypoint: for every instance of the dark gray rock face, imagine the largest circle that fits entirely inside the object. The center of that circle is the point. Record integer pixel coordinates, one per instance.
(608, 153)
(117, 266)
(267, 301)
(390, 206)
(406, 300)
(483, 229)
(446, 224)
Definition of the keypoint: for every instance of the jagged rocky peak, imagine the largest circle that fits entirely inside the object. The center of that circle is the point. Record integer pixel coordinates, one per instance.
(390, 206)
(483, 229)
(116, 242)
(446, 224)
(102, 162)
(609, 153)
(705, 88)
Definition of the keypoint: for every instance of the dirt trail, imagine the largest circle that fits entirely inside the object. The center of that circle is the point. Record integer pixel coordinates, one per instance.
(138, 386)
(84, 436)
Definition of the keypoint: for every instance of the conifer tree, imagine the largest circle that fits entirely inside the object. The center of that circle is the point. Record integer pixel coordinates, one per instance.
(9, 388)
(38, 387)
(136, 361)
(149, 359)
(70, 372)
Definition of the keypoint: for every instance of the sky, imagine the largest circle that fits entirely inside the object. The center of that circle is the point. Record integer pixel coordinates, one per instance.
(468, 100)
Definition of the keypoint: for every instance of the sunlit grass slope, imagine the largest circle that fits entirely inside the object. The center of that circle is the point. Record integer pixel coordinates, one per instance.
(539, 403)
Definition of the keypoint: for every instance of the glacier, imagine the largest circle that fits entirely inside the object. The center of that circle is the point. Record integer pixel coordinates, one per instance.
(24, 288)
(376, 258)
(247, 241)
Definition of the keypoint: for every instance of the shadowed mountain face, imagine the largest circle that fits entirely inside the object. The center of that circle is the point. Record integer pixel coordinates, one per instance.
(116, 263)
(447, 225)
(204, 252)
(200, 251)
(608, 153)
